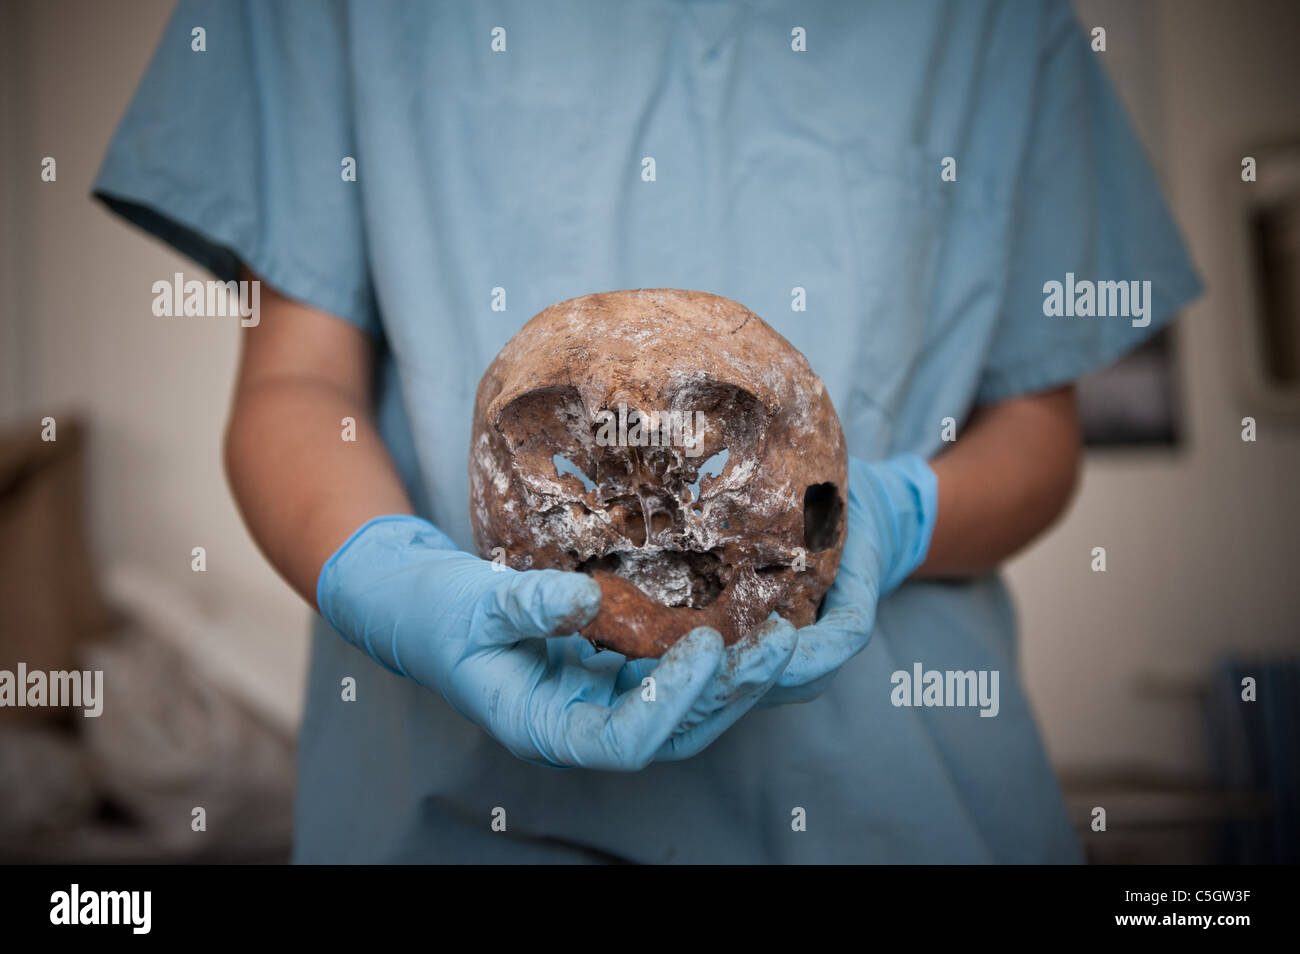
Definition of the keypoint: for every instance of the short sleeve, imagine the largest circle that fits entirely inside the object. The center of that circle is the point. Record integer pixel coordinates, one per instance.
(235, 153)
(1087, 205)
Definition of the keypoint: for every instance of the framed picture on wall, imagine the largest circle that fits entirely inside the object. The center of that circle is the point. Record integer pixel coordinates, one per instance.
(1264, 231)
(1134, 402)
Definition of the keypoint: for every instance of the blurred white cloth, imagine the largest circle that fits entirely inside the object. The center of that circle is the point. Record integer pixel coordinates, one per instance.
(168, 741)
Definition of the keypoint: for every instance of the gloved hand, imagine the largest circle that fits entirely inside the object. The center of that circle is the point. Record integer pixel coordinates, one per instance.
(749, 669)
(892, 510)
(401, 591)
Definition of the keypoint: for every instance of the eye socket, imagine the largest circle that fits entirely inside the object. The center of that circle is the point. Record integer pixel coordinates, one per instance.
(822, 508)
(712, 467)
(565, 466)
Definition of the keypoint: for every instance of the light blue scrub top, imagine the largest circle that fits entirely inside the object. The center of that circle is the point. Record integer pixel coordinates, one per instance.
(774, 169)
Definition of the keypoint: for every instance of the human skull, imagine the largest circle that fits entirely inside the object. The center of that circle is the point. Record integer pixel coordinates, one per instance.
(675, 447)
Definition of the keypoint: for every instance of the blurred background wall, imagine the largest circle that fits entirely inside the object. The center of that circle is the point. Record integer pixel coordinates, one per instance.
(1202, 539)
(78, 335)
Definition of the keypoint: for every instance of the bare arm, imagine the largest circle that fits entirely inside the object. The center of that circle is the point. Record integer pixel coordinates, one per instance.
(1006, 480)
(301, 488)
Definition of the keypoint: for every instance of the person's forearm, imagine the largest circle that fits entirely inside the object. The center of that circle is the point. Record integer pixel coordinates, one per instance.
(1005, 480)
(301, 487)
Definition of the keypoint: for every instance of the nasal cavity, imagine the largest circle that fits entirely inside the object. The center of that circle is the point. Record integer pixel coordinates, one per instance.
(565, 466)
(822, 509)
(710, 468)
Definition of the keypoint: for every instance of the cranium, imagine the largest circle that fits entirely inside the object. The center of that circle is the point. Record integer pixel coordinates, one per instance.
(675, 447)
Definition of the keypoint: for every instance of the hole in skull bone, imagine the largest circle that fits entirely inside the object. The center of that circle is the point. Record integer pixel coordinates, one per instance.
(565, 466)
(657, 462)
(822, 507)
(641, 519)
(626, 517)
(712, 467)
(609, 562)
(670, 577)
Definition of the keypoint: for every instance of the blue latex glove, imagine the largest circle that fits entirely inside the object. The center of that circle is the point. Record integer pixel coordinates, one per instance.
(401, 591)
(749, 670)
(892, 509)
